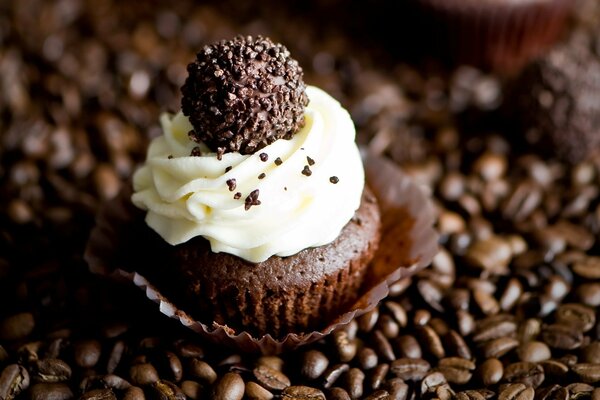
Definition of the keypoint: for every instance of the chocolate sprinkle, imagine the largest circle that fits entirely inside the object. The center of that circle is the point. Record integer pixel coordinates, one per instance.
(228, 169)
(278, 161)
(252, 200)
(310, 161)
(243, 94)
(334, 179)
(264, 157)
(231, 183)
(261, 176)
(306, 171)
(196, 152)
(237, 196)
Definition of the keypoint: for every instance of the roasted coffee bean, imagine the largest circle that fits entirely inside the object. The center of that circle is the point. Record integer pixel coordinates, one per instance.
(588, 267)
(579, 390)
(432, 381)
(589, 294)
(524, 372)
(554, 392)
(491, 371)
(397, 389)
(492, 254)
(99, 394)
(302, 393)
(534, 352)
(408, 347)
(510, 296)
(165, 390)
(516, 391)
(499, 347)
(591, 353)
(388, 326)
(202, 370)
(271, 362)
(431, 293)
(562, 337)
(481, 394)
(194, 390)
(338, 394)
(410, 369)
(143, 374)
(52, 370)
(588, 373)
(398, 312)
(529, 329)
(331, 375)
(229, 387)
(421, 317)
(367, 321)
(134, 393)
(115, 356)
(189, 350)
(271, 378)
(87, 353)
(345, 347)
(456, 345)
(466, 322)
(355, 379)
(596, 394)
(314, 364)
(493, 330)
(367, 358)
(378, 395)
(456, 370)
(554, 368)
(50, 391)
(17, 326)
(576, 315)
(378, 375)
(431, 340)
(256, 392)
(383, 346)
(13, 380)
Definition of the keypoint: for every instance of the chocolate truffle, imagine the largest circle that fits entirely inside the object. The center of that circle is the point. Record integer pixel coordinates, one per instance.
(560, 95)
(243, 94)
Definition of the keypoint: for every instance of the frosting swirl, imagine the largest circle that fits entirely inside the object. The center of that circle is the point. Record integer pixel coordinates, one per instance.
(308, 186)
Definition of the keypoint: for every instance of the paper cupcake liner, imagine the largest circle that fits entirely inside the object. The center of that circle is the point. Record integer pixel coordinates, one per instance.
(500, 35)
(117, 248)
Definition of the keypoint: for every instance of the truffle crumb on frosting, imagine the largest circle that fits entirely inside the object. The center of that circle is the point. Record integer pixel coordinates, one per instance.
(243, 94)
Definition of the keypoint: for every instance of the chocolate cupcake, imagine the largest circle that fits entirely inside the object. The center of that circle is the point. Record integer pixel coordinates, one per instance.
(499, 34)
(257, 185)
(559, 97)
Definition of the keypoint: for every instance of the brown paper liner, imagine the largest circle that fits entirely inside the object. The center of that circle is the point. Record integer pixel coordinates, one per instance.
(500, 35)
(119, 248)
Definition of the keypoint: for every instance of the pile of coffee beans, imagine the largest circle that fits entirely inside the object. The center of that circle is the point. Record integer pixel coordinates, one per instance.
(508, 309)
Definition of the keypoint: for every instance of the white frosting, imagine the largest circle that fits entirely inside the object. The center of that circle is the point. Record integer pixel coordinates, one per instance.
(187, 196)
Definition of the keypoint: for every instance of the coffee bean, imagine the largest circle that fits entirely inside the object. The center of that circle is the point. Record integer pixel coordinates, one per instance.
(466, 322)
(456, 370)
(99, 394)
(457, 345)
(271, 378)
(591, 353)
(189, 350)
(17, 326)
(271, 362)
(13, 380)
(494, 330)
(588, 267)
(524, 372)
(87, 353)
(517, 391)
(331, 375)
(421, 317)
(256, 392)
(143, 374)
(367, 358)
(398, 312)
(554, 368)
(499, 347)
(345, 347)
(355, 378)
(486, 302)
(115, 356)
(432, 381)
(491, 371)
(492, 254)
(194, 390)
(52, 370)
(433, 343)
(431, 293)
(579, 390)
(576, 315)
(408, 347)
(202, 370)
(397, 389)
(596, 394)
(534, 352)
(229, 387)
(314, 364)
(165, 390)
(562, 336)
(589, 373)
(367, 321)
(302, 393)
(134, 393)
(529, 329)
(338, 394)
(554, 392)
(383, 346)
(589, 294)
(378, 395)
(378, 375)
(511, 294)
(388, 326)
(50, 391)
(410, 369)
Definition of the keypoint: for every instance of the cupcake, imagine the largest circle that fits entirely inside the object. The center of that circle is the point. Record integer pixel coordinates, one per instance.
(499, 34)
(558, 98)
(257, 191)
